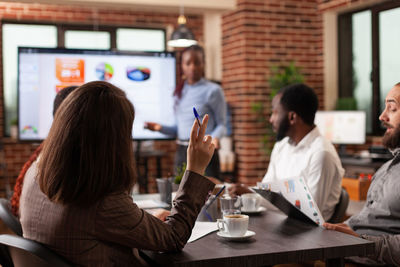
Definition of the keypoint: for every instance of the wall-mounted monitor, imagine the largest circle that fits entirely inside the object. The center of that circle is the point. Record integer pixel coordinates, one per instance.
(342, 127)
(147, 78)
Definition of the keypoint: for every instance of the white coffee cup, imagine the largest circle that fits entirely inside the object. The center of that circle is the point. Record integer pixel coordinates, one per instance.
(234, 225)
(250, 202)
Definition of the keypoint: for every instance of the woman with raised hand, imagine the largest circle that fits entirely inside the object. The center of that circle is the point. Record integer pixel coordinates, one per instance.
(76, 197)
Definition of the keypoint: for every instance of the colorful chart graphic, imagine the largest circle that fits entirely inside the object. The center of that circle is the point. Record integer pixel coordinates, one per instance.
(297, 204)
(104, 71)
(290, 187)
(138, 74)
(29, 128)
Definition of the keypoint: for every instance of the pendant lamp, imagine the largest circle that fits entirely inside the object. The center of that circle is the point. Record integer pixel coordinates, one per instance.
(182, 36)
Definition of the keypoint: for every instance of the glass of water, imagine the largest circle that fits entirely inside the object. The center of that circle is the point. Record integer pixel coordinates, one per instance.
(230, 205)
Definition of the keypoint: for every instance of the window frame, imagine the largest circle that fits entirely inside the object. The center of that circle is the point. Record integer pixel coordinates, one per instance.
(61, 29)
(345, 62)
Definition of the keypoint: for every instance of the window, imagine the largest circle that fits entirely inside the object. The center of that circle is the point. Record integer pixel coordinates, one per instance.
(368, 58)
(87, 40)
(140, 39)
(389, 57)
(15, 35)
(65, 36)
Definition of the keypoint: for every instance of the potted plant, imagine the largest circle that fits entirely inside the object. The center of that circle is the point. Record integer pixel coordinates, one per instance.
(281, 76)
(180, 171)
(346, 103)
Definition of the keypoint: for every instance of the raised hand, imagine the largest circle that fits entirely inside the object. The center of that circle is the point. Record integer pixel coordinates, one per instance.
(200, 149)
(215, 141)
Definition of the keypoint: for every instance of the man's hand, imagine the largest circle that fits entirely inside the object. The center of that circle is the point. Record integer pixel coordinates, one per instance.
(161, 214)
(153, 126)
(238, 189)
(340, 227)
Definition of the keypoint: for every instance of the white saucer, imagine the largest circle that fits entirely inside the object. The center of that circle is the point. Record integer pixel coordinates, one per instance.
(246, 236)
(260, 209)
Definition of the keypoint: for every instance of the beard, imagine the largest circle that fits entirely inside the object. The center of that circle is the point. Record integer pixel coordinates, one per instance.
(391, 140)
(283, 129)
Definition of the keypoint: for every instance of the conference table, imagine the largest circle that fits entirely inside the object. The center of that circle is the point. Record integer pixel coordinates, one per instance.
(278, 239)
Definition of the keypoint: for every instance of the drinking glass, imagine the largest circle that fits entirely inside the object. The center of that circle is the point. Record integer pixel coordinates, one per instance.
(230, 205)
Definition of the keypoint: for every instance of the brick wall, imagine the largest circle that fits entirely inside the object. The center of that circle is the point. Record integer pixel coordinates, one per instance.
(258, 35)
(16, 154)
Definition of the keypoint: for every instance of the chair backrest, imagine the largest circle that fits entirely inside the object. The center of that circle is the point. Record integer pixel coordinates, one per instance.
(340, 208)
(8, 218)
(25, 252)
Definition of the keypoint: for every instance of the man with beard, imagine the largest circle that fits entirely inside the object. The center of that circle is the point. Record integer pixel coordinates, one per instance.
(301, 151)
(379, 220)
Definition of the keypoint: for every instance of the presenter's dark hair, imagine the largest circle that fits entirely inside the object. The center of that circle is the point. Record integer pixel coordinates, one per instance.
(88, 152)
(301, 99)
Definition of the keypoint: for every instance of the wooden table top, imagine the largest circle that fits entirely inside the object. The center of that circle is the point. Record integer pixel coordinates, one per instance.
(278, 239)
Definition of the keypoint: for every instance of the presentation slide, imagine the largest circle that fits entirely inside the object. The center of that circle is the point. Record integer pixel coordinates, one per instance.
(148, 80)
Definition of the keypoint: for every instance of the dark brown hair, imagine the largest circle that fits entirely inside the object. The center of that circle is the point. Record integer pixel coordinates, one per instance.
(181, 82)
(61, 95)
(88, 153)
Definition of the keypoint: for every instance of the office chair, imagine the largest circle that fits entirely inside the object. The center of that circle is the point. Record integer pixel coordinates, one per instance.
(340, 208)
(25, 252)
(8, 218)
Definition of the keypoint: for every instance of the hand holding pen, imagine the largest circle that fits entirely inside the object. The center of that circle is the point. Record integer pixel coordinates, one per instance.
(200, 149)
(214, 140)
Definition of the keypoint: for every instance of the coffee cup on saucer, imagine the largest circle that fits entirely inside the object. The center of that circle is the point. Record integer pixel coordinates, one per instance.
(234, 225)
(250, 202)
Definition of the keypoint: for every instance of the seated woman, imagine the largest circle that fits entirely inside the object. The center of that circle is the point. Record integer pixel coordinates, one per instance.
(76, 196)
(60, 96)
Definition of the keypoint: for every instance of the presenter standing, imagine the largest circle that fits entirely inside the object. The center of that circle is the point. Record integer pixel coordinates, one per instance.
(207, 97)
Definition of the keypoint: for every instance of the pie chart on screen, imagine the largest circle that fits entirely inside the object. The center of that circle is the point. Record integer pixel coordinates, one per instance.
(104, 71)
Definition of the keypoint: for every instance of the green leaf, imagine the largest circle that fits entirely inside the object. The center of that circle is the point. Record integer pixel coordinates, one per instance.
(180, 170)
(281, 76)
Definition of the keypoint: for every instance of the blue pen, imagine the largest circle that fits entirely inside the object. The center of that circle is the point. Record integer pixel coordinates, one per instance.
(216, 195)
(197, 116)
(211, 201)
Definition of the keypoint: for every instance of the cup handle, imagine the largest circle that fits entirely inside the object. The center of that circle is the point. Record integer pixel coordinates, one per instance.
(221, 225)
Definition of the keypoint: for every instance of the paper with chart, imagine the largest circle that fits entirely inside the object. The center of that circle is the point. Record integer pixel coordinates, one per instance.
(295, 190)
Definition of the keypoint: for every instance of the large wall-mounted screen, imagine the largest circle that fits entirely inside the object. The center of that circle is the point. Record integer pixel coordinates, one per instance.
(147, 78)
